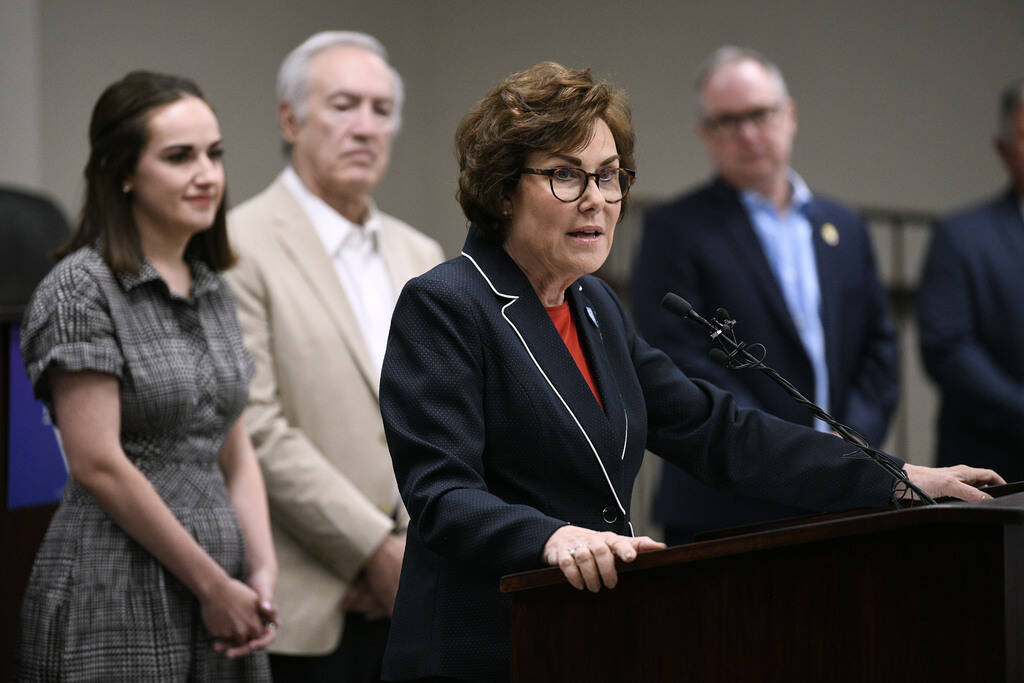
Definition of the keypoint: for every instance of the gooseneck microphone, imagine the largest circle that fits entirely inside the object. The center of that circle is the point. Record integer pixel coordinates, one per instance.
(736, 355)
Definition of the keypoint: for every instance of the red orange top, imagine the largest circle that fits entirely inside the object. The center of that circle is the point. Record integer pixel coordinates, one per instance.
(561, 316)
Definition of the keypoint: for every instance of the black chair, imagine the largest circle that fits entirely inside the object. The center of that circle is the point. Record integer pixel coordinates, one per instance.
(31, 227)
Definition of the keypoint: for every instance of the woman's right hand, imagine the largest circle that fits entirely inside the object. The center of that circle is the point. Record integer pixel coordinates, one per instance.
(587, 557)
(234, 618)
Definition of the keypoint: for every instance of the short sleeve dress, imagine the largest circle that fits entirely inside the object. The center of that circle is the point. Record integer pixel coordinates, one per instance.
(98, 606)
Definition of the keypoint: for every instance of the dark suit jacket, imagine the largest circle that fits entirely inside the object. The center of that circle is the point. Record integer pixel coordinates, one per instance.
(971, 317)
(703, 247)
(497, 441)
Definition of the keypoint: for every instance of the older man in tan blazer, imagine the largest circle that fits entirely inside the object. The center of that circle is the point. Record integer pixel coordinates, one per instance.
(319, 270)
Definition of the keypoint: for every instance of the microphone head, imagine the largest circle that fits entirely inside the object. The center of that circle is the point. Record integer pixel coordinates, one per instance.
(674, 303)
(721, 314)
(719, 356)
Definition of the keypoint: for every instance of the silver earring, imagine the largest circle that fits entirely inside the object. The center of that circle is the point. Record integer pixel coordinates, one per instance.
(126, 188)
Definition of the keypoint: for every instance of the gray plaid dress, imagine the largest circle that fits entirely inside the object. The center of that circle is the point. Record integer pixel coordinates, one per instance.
(98, 606)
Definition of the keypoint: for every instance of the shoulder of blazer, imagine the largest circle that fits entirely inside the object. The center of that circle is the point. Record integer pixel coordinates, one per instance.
(700, 199)
(457, 273)
(828, 209)
(461, 275)
(406, 231)
(399, 232)
(1002, 206)
(259, 214)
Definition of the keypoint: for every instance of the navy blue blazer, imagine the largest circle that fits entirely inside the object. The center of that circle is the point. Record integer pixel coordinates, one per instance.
(971, 319)
(703, 247)
(497, 441)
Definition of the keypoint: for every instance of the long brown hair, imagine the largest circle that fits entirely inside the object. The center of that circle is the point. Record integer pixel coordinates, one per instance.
(117, 135)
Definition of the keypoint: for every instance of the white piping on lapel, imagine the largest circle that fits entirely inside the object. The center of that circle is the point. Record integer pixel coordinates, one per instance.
(512, 299)
(625, 439)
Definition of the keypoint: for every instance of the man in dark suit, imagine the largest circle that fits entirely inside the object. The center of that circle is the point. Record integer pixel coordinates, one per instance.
(971, 315)
(795, 270)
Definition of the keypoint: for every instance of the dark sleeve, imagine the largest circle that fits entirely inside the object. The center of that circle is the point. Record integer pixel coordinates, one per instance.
(431, 397)
(666, 264)
(699, 427)
(953, 355)
(67, 326)
(874, 389)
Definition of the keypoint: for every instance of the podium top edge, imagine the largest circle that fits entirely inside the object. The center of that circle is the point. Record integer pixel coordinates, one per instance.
(803, 530)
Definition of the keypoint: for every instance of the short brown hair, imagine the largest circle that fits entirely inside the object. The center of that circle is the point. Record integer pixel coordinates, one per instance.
(117, 135)
(543, 108)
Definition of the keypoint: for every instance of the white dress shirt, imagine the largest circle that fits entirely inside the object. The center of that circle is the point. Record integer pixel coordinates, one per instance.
(355, 250)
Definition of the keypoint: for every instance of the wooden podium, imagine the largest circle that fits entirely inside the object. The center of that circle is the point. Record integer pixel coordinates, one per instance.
(923, 594)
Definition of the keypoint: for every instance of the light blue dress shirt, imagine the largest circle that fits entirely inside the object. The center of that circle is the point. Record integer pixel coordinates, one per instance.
(787, 241)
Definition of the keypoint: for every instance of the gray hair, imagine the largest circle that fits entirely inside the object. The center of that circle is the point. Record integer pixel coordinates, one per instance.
(730, 54)
(1010, 101)
(293, 76)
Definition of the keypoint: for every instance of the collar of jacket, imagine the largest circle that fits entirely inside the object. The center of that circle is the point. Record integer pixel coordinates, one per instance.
(605, 431)
(502, 273)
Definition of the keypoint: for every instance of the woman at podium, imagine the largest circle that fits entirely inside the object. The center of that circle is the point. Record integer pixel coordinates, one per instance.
(518, 400)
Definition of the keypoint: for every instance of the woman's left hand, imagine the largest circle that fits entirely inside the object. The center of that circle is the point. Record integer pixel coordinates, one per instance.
(959, 481)
(587, 557)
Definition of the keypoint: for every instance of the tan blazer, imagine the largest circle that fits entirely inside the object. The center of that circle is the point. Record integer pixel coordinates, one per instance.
(313, 412)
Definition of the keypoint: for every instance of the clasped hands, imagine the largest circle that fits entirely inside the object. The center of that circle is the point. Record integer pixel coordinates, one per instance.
(242, 618)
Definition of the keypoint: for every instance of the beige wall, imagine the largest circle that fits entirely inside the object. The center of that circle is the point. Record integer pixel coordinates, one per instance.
(20, 152)
(896, 100)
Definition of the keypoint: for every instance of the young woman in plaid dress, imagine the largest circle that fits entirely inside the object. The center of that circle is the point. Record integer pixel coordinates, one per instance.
(158, 564)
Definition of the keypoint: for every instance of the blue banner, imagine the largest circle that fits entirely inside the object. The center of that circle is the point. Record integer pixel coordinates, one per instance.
(36, 470)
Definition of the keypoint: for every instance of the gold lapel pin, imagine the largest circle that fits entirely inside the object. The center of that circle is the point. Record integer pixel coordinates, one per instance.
(830, 234)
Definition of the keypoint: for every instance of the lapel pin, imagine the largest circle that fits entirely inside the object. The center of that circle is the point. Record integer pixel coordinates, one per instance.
(830, 234)
(593, 318)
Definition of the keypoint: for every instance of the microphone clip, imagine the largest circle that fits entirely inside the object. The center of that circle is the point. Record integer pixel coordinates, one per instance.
(723, 321)
(732, 353)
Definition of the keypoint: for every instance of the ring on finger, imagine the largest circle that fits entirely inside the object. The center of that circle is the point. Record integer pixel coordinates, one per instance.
(572, 551)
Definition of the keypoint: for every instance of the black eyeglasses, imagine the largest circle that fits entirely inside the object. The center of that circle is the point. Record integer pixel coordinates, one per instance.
(732, 123)
(568, 183)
